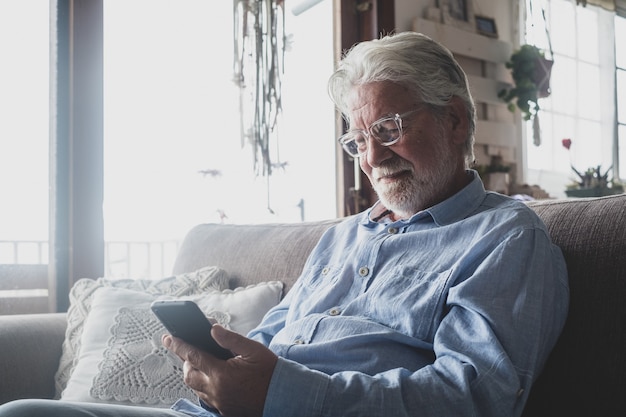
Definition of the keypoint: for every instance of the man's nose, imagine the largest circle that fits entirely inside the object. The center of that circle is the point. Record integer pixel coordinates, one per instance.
(377, 153)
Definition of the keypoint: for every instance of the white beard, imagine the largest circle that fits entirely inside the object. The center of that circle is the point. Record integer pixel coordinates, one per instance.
(415, 192)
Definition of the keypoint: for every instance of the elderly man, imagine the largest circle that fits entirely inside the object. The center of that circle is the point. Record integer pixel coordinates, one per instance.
(440, 300)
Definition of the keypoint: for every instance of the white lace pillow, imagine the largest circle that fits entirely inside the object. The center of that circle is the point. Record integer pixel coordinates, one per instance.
(121, 359)
(81, 295)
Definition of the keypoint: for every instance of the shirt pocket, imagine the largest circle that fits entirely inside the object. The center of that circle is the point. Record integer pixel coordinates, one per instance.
(320, 275)
(320, 289)
(408, 299)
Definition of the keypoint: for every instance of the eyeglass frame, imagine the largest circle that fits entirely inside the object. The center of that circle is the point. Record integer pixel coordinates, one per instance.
(397, 118)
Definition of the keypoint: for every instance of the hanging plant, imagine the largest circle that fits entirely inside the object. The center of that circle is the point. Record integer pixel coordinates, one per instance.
(531, 72)
(531, 80)
(258, 68)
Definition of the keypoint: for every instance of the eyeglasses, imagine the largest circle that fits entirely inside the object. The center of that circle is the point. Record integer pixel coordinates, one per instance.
(386, 131)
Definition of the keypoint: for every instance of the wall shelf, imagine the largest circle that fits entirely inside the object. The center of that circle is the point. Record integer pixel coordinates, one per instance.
(483, 59)
(463, 42)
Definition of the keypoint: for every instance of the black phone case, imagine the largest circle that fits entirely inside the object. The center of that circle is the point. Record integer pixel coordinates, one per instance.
(185, 320)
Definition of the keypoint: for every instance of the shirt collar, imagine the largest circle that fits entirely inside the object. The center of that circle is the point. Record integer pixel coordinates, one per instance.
(453, 209)
(461, 204)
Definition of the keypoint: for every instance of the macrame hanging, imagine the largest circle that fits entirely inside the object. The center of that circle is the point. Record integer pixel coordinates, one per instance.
(259, 48)
(543, 77)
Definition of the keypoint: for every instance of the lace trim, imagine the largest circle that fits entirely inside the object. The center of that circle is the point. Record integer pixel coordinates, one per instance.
(136, 367)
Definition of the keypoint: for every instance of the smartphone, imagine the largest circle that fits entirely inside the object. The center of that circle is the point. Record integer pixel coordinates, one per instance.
(185, 320)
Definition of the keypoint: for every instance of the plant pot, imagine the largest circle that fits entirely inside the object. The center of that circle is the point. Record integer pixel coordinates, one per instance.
(592, 192)
(543, 71)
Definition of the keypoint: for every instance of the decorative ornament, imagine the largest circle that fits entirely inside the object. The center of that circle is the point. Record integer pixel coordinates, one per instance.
(259, 46)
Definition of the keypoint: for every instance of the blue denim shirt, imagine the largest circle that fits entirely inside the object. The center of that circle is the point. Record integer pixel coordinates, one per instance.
(452, 312)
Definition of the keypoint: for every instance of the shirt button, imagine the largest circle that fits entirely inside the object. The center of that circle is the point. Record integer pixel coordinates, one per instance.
(392, 230)
(363, 271)
(334, 311)
(298, 342)
(520, 392)
(325, 271)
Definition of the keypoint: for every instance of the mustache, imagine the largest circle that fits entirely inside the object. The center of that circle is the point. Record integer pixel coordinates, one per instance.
(392, 167)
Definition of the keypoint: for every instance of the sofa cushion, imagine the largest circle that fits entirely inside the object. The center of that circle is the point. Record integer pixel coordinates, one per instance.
(584, 375)
(121, 359)
(81, 294)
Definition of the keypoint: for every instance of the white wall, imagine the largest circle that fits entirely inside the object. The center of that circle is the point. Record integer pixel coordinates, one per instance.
(504, 137)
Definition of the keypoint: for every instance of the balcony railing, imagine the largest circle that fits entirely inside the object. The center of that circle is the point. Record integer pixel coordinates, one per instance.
(24, 269)
(139, 260)
(23, 252)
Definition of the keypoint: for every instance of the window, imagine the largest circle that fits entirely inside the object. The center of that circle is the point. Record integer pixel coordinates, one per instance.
(24, 81)
(24, 74)
(620, 77)
(173, 153)
(580, 107)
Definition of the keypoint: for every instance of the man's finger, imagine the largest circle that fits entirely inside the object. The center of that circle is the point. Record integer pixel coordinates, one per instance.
(187, 352)
(194, 378)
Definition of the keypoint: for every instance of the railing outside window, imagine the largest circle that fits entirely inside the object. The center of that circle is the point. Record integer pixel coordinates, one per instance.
(24, 269)
(139, 260)
(23, 252)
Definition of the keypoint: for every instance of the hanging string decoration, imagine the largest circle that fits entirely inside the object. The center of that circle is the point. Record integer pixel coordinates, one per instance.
(259, 50)
(542, 73)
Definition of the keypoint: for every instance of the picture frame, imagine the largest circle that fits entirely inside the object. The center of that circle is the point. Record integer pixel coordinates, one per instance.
(486, 26)
(458, 13)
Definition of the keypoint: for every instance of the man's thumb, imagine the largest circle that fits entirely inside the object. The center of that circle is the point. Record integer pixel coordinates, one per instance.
(228, 339)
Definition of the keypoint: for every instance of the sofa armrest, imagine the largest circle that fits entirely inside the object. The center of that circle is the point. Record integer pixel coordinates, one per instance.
(30, 349)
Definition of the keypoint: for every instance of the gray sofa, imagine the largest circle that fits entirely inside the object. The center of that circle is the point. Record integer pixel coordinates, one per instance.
(584, 376)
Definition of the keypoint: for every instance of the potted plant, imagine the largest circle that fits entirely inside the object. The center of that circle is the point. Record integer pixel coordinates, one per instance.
(593, 183)
(531, 71)
(495, 175)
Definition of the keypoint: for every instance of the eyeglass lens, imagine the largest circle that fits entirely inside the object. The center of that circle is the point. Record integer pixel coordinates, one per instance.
(385, 131)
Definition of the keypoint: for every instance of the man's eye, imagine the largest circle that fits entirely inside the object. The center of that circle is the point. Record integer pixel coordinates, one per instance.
(385, 125)
(360, 140)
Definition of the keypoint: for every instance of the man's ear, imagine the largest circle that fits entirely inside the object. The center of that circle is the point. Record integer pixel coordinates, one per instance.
(459, 123)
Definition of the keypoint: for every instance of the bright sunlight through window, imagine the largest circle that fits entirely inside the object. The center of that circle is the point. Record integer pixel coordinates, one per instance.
(173, 152)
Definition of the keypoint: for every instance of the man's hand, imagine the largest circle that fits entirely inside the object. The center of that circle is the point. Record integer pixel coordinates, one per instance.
(235, 387)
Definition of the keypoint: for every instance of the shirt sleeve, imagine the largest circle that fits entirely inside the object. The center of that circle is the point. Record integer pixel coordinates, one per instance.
(500, 323)
(274, 320)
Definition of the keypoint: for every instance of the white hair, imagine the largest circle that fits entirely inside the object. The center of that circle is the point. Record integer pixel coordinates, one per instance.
(412, 60)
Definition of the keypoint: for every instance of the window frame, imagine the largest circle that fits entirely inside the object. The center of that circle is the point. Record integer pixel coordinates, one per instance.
(608, 144)
(76, 147)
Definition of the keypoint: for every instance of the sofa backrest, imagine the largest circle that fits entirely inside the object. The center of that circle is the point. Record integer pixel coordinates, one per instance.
(251, 253)
(585, 374)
